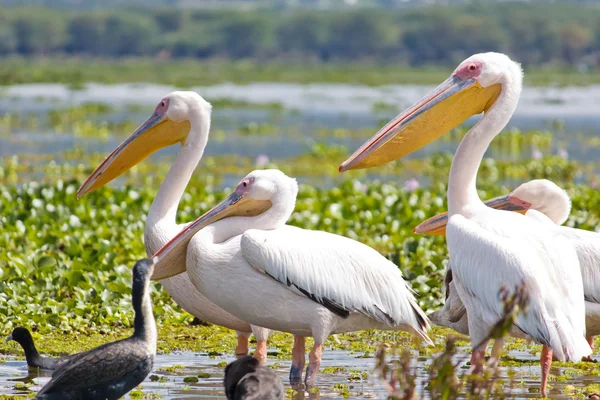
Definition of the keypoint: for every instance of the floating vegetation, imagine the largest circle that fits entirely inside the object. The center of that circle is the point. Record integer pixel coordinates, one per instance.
(81, 121)
(66, 261)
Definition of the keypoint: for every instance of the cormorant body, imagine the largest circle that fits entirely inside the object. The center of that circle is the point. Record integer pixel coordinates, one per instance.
(110, 371)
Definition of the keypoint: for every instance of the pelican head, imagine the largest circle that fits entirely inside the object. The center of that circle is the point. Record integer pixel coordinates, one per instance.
(169, 124)
(268, 195)
(546, 197)
(473, 88)
(540, 194)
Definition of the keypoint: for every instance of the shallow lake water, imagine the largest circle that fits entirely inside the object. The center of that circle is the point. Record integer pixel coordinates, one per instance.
(309, 109)
(171, 385)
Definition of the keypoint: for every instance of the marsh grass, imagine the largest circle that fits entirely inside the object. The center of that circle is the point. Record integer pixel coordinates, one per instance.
(396, 366)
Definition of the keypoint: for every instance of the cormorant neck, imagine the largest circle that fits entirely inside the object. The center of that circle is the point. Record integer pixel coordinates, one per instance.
(31, 353)
(144, 326)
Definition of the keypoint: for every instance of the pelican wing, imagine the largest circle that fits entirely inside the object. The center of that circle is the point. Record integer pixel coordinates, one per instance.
(335, 271)
(587, 245)
(490, 252)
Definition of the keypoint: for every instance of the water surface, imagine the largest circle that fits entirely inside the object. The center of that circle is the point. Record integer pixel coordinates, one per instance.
(171, 385)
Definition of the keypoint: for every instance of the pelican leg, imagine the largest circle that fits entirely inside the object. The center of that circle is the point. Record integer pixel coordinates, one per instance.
(590, 341)
(545, 363)
(298, 359)
(496, 353)
(478, 353)
(477, 359)
(260, 353)
(314, 362)
(242, 345)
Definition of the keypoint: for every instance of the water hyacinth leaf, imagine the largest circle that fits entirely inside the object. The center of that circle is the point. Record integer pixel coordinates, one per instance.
(74, 277)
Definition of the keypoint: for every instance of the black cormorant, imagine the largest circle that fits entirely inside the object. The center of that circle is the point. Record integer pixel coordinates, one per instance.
(113, 369)
(34, 359)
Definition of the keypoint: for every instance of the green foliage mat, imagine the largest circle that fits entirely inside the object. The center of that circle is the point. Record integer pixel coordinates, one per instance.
(66, 263)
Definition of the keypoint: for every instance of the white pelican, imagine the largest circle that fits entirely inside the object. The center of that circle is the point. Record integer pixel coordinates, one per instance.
(490, 248)
(308, 283)
(547, 198)
(184, 118)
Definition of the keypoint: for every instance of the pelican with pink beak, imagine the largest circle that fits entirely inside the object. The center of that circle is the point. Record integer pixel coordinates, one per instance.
(244, 258)
(180, 118)
(490, 248)
(545, 201)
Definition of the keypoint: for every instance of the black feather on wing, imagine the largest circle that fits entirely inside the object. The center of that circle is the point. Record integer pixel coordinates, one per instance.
(102, 365)
(337, 308)
(331, 305)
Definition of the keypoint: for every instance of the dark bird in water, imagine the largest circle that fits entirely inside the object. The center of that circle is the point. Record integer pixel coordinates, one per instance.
(34, 359)
(113, 369)
(246, 379)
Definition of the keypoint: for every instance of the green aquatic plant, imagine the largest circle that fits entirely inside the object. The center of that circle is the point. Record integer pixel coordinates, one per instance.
(396, 365)
(65, 261)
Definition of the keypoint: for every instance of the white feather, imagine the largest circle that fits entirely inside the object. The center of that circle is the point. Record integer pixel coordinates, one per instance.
(488, 252)
(337, 268)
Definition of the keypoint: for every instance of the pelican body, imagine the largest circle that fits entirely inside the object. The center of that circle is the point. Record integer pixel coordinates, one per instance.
(110, 371)
(308, 283)
(490, 248)
(184, 118)
(545, 201)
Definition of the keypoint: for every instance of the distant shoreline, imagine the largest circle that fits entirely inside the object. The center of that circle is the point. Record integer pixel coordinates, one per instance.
(184, 73)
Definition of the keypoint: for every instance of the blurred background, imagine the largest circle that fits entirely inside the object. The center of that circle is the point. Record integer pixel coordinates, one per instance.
(283, 74)
(547, 36)
(295, 85)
